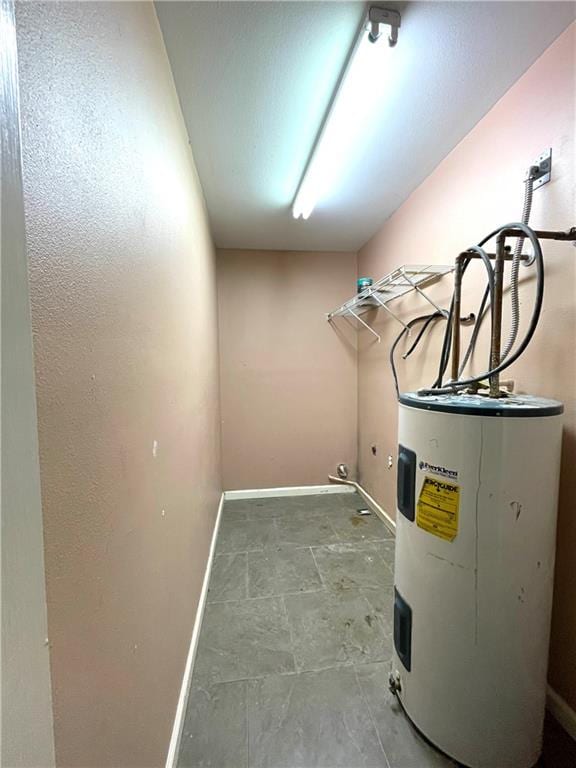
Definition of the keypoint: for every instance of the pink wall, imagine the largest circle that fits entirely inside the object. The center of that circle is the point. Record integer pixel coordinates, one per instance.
(477, 187)
(123, 294)
(287, 377)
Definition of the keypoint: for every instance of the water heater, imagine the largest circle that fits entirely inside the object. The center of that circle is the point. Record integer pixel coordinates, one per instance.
(476, 529)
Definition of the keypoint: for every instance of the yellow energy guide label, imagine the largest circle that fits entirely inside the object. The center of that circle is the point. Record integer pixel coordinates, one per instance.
(437, 508)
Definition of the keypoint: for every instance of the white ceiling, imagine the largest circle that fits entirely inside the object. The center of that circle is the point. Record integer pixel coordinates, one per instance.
(255, 79)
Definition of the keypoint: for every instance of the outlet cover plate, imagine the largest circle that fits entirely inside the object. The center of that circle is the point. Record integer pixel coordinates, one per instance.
(544, 163)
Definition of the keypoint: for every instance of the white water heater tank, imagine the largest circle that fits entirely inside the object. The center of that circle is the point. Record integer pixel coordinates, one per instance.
(476, 531)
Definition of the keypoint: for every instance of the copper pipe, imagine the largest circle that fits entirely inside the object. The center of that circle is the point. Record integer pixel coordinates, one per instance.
(456, 316)
(497, 314)
(542, 234)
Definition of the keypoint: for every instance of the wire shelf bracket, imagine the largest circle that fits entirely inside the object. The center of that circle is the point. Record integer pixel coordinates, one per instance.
(392, 286)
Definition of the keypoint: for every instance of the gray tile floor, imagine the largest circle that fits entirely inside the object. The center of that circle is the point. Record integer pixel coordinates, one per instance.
(292, 663)
(293, 658)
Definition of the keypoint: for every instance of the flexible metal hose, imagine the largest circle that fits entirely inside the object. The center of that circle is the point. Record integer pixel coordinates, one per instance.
(427, 320)
(516, 258)
(539, 261)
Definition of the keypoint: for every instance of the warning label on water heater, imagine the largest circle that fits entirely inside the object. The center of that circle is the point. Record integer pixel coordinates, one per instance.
(437, 509)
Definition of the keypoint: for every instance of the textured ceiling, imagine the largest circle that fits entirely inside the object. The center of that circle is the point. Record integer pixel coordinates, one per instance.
(255, 79)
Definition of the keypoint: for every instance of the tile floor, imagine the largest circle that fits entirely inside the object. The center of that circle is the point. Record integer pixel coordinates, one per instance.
(293, 658)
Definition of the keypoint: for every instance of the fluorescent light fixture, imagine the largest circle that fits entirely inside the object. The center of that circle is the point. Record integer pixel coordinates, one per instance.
(344, 119)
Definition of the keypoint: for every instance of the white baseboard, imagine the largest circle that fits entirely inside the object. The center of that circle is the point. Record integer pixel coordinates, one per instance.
(370, 500)
(389, 522)
(337, 486)
(561, 711)
(297, 490)
(172, 757)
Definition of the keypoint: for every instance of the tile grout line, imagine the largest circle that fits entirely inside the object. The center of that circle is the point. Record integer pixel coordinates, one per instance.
(272, 596)
(247, 575)
(387, 565)
(335, 532)
(291, 673)
(247, 721)
(370, 715)
(289, 625)
(317, 568)
(373, 610)
(271, 547)
(261, 597)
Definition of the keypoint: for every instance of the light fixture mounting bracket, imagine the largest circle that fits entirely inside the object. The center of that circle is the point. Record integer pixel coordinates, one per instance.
(378, 16)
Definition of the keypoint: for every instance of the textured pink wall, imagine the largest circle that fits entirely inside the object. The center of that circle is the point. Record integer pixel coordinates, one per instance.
(476, 188)
(123, 307)
(288, 378)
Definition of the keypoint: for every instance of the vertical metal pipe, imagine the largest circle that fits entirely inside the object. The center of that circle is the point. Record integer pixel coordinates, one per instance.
(497, 315)
(456, 318)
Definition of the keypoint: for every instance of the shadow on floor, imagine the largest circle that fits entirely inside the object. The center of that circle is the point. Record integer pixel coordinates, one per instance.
(559, 748)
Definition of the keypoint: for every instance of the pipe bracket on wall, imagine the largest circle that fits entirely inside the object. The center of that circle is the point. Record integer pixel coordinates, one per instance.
(542, 169)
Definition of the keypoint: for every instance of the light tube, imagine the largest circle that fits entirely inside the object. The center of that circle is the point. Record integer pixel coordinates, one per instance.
(347, 115)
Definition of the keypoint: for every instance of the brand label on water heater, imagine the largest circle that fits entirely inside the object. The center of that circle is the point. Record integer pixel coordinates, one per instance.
(435, 469)
(437, 508)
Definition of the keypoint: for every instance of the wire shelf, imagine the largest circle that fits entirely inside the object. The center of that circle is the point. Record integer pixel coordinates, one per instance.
(392, 286)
